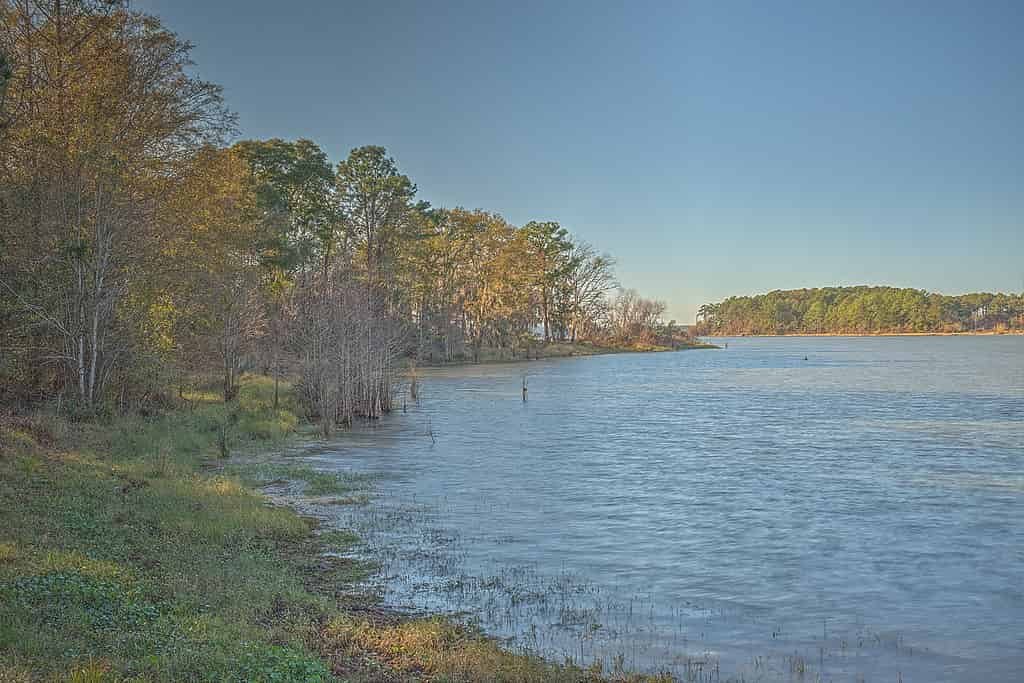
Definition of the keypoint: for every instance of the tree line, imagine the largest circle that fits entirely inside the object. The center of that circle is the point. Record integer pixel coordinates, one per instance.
(140, 249)
(858, 310)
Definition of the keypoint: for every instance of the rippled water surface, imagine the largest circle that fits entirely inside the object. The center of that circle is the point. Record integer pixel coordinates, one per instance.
(781, 509)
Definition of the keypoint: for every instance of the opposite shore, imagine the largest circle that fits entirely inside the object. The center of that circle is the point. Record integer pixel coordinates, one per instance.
(980, 333)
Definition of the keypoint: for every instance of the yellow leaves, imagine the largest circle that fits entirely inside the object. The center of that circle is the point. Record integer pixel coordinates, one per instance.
(162, 315)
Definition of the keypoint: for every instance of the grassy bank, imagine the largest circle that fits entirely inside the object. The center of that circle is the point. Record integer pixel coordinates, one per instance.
(128, 551)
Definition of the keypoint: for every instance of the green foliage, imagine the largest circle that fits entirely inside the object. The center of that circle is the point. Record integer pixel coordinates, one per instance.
(65, 598)
(553, 250)
(375, 199)
(845, 310)
(99, 117)
(293, 182)
(262, 664)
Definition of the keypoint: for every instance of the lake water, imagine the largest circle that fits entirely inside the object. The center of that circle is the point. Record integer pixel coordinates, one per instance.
(781, 509)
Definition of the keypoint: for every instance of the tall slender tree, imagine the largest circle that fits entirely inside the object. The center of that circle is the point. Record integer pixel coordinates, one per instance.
(552, 247)
(375, 200)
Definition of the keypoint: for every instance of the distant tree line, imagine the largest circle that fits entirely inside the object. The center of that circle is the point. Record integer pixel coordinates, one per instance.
(859, 310)
(140, 251)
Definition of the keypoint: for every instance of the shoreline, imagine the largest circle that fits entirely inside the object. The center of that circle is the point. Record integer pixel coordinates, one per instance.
(134, 536)
(450, 645)
(556, 350)
(1006, 333)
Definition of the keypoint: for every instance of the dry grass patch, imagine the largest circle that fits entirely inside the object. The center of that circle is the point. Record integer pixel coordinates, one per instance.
(440, 651)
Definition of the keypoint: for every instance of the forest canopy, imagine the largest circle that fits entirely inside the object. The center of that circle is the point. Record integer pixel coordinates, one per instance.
(861, 310)
(143, 249)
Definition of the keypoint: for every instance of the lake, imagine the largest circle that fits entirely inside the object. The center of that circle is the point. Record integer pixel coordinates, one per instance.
(782, 509)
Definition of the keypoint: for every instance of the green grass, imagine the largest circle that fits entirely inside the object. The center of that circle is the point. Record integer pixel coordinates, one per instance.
(130, 550)
(121, 553)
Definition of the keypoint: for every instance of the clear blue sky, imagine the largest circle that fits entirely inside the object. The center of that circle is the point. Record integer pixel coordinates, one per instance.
(715, 148)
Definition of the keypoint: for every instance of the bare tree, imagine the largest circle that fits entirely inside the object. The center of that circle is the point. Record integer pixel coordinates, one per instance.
(344, 351)
(588, 281)
(633, 318)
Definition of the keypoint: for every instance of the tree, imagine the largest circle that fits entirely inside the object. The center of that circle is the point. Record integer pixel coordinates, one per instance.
(499, 296)
(635, 319)
(302, 229)
(589, 277)
(219, 309)
(859, 310)
(295, 193)
(375, 200)
(552, 247)
(133, 243)
(102, 112)
(437, 267)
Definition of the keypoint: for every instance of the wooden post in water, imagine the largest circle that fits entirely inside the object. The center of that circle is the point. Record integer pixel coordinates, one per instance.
(524, 388)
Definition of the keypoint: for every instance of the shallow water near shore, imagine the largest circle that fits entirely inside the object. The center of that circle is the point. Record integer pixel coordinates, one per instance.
(783, 509)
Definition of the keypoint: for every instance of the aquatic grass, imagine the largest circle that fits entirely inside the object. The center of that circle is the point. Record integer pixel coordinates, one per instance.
(356, 499)
(338, 540)
(315, 482)
(12, 673)
(562, 617)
